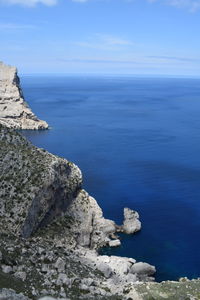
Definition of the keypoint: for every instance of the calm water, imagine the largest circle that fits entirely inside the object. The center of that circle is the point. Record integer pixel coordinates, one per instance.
(137, 142)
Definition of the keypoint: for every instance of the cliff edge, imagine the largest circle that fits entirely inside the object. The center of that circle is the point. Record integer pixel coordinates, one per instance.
(50, 229)
(14, 111)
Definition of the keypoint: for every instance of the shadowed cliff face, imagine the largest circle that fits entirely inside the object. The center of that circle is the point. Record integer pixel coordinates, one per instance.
(14, 111)
(35, 186)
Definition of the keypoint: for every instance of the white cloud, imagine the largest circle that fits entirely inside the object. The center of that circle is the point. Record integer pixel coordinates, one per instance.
(29, 2)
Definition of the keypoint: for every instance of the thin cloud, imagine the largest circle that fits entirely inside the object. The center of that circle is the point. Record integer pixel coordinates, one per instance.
(175, 58)
(137, 60)
(191, 5)
(100, 61)
(113, 40)
(13, 26)
(105, 42)
(29, 3)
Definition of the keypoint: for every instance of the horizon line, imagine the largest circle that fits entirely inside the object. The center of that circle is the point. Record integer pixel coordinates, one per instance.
(109, 74)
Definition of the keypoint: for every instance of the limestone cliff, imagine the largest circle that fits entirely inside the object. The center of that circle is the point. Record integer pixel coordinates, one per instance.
(50, 227)
(14, 111)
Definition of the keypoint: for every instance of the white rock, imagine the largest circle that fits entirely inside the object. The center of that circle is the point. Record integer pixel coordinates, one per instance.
(20, 275)
(6, 269)
(63, 279)
(87, 281)
(131, 222)
(93, 229)
(143, 269)
(114, 243)
(60, 265)
(105, 269)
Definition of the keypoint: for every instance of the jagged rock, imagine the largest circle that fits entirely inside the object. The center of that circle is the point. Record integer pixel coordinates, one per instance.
(20, 275)
(60, 265)
(87, 281)
(43, 184)
(14, 111)
(94, 229)
(63, 280)
(131, 222)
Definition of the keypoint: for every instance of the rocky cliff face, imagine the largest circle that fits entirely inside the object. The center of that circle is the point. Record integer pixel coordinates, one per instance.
(50, 227)
(14, 111)
(36, 187)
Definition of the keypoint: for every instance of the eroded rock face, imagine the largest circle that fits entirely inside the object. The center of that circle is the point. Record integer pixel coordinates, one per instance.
(14, 111)
(35, 186)
(50, 229)
(131, 222)
(91, 228)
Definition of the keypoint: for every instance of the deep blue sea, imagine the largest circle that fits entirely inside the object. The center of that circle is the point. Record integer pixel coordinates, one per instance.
(137, 142)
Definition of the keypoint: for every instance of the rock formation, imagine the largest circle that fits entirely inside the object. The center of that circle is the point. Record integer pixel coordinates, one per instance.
(131, 222)
(50, 227)
(14, 111)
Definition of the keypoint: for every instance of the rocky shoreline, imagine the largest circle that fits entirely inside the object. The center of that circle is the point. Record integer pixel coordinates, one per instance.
(14, 111)
(51, 228)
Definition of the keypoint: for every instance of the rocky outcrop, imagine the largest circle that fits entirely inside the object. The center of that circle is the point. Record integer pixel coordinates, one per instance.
(131, 222)
(50, 228)
(35, 186)
(14, 111)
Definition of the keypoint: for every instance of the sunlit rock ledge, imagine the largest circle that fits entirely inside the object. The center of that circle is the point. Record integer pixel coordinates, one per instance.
(14, 111)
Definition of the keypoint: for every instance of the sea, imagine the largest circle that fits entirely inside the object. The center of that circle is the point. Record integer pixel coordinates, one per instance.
(137, 142)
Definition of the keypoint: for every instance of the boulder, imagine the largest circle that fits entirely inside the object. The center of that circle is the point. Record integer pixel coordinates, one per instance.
(131, 222)
(114, 243)
(141, 268)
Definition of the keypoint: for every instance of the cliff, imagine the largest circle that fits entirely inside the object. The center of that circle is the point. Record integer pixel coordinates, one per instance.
(14, 111)
(50, 229)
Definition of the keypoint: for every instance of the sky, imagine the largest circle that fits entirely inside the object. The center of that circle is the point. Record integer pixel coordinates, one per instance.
(144, 37)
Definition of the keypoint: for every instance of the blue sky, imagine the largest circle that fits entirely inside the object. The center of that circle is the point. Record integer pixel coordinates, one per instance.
(101, 36)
